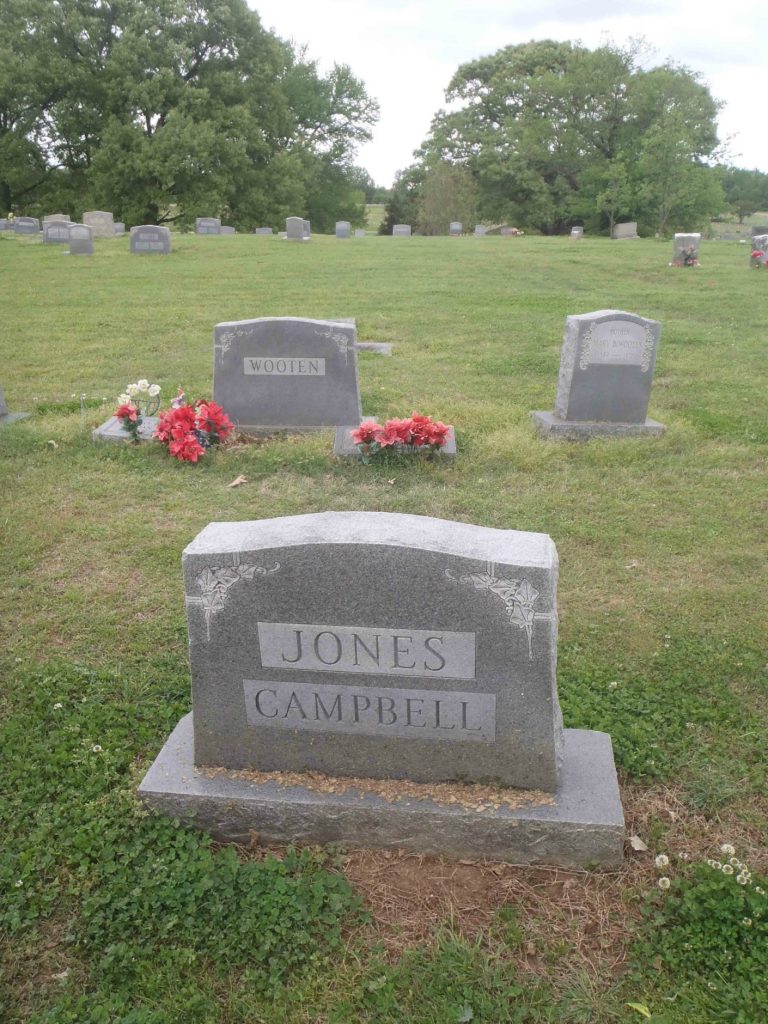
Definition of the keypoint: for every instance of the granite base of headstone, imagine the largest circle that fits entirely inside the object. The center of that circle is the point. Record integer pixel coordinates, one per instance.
(6, 417)
(379, 348)
(397, 655)
(606, 370)
(101, 223)
(112, 431)
(625, 230)
(345, 448)
(150, 238)
(80, 240)
(685, 250)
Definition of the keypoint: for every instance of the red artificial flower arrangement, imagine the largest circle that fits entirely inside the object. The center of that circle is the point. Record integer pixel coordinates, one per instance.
(188, 431)
(416, 432)
(757, 258)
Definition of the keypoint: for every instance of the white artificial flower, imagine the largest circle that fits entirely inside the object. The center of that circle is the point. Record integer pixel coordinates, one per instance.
(133, 390)
(143, 385)
(662, 860)
(58, 706)
(747, 922)
(727, 849)
(123, 399)
(154, 390)
(96, 748)
(727, 869)
(613, 685)
(664, 883)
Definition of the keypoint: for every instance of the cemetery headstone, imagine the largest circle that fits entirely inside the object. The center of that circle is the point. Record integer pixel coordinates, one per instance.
(685, 250)
(577, 232)
(119, 228)
(226, 229)
(100, 222)
(343, 228)
(80, 240)
(26, 225)
(51, 217)
(759, 246)
(759, 230)
(480, 230)
(294, 229)
(455, 228)
(112, 431)
(263, 231)
(150, 238)
(359, 232)
(401, 231)
(380, 646)
(6, 224)
(7, 417)
(286, 373)
(627, 230)
(307, 228)
(507, 231)
(207, 226)
(56, 232)
(606, 371)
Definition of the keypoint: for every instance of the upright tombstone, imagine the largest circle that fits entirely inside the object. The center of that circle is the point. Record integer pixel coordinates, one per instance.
(507, 232)
(306, 228)
(343, 228)
(286, 373)
(606, 371)
(759, 251)
(455, 228)
(119, 228)
(56, 232)
(401, 231)
(26, 226)
(150, 238)
(359, 232)
(6, 417)
(577, 233)
(626, 230)
(480, 230)
(294, 229)
(50, 218)
(262, 231)
(6, 224)
(208, 226)
(227, 229)
(685, 252)
(101, 223)
(380, 646)
(80, 240)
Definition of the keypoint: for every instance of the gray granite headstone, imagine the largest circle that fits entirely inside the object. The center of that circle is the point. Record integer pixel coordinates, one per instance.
(455, 227)
(577, 232)
(401, 231)
(307, 228)
(359, 232)
(294, 229)
(56, 232)
(51, 217)
(150, 238)
(263, 231)
(112, 430)
(382, 646)
(101, 223)
(480, 230)
(506, 231)
(606, 370)
(286, 373)
(6, 417)
(119, 228)
(626, 230)
(685, 246)
(26, 225)
(227, 229)
(207, 226)
(760, 244)
(343, 228)
(6, 224)
(80, 240)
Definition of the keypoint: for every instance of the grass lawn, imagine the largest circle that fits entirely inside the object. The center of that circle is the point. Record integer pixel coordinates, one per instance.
(110, 915)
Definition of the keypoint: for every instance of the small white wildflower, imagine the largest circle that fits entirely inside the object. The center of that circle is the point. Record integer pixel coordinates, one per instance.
(747, 922)
(742, 879)
(17, 660)
(712, 985)
(664, 882)
(613, 685)
(662, 860)
(727, 850)
(735, 862)
(96, 748)
(685, 856)
(711, 862)
(727, 869)
(142, 385)
(759, 890)
(18, 883)
(58, 706)
(154, 390)
(667, 636)
(717, 865)
(687, 945)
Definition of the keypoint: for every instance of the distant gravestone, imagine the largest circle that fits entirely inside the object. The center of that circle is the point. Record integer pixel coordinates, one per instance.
(100, 222)
(263, 231)
(507, 231)
(56, 232)
(480, 230)
(294, 229)
(26, 226)
(759, 245)
(455, 228)
(606, 371)
(119, 228)
(627, 230)
(343, 228)
(577, 233)
(150, 238)
(51, 217)
(226, 229)
(6, 417)
(759, 230)
(80, 240)
(307, 228)
(207, 226)
(685, 250)
(286, 373)
(359, 232)
(6, 224)
(401, 231)
(392, 647)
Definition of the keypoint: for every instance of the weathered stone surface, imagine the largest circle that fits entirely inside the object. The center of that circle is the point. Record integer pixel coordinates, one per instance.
(56, 232)
(627, 230)
(294, 229)
(263, 231)
(343, 229)
(150, 238)
(101, 223)
(51, 217)
(307, 228)
(582, 828)
(375, 644)
(344, 446)
(686, 247)
(6, 417)
(26, 225)
(480, 230)
(208, 226)
(80, 240)
(401, 231)
(549, 424)
(455, 227)
(6, 224)
(286, 373)
(380, 348)
(112, 430)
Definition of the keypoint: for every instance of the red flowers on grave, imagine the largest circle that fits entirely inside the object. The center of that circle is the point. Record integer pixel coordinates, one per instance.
(757, 258)
(416, 432)
(188, 431)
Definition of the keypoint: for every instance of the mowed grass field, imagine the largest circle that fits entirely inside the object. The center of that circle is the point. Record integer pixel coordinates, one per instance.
(113, 916)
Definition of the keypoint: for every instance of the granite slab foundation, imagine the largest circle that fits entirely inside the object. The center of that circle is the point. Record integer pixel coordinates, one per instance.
(550, 425)
(345, 448)
(112, 430)
(379, 348)
(582, 826)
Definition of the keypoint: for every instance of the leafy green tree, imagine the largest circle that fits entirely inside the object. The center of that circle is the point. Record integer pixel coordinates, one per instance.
(746, 191)
(447, 194)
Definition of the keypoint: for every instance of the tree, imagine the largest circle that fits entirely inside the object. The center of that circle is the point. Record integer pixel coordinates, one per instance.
(746, 192)
(447, 194)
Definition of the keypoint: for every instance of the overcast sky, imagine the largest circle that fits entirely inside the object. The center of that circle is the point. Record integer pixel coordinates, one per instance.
(407, 50)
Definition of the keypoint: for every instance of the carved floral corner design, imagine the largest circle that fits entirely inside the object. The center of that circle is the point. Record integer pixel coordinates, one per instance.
(518, 596)
(224, 341)
(340, 340)
(216, 581)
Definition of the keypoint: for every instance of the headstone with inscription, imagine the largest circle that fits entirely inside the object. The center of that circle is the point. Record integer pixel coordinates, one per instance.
(294, 229)
(80, 240)
(51, 217)
(150, 238)
(286, 373)
(455, 228)
(227, 229)
(101, 223)
(208, 226)
(480, 230)
(377, 646)
(606, 370)
(343, 229)
(685, 250)
(401, 231)
(26, 225)
(6, 417)
(626, 230)
(56, 232)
